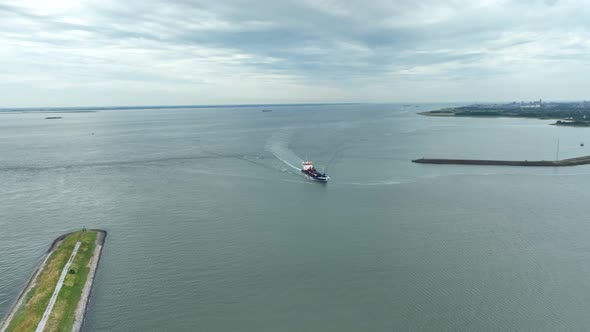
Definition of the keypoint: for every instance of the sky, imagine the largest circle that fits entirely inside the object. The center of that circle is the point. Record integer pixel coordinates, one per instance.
(177, 52)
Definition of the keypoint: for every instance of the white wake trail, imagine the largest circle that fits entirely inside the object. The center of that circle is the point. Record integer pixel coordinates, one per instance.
(278, 145)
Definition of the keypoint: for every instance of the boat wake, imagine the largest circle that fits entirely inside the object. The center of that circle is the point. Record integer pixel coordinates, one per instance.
(278, 145)
(379, 183)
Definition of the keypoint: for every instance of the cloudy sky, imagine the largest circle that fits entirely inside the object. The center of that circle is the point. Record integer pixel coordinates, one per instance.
(103, 52)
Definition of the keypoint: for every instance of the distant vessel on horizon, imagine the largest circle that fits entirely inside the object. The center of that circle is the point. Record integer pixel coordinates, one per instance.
(312, 173)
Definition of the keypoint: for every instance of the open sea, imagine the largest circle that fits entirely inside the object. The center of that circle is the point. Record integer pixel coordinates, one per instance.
(211, 226)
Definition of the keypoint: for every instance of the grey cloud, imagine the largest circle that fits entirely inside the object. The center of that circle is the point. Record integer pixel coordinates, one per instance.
(300, 44)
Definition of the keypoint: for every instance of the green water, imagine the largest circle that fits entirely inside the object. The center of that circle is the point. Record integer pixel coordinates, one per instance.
(212, 229)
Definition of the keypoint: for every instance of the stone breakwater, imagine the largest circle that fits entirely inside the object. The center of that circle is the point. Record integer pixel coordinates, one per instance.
(551, 163)
(25, 314)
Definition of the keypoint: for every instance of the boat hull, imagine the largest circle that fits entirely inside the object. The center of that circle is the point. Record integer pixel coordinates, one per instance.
(316, 177)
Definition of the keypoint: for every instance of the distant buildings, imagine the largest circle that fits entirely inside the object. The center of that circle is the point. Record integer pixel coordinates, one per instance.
(532, 104)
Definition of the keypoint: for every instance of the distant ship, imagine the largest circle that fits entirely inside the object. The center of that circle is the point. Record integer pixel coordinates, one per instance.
(312, 173)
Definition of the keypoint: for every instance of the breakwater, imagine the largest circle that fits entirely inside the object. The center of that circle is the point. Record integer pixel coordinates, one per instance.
(42, 305)
(551, 163)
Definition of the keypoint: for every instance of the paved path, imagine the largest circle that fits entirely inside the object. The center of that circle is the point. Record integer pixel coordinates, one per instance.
(82, 305)
(60, 283)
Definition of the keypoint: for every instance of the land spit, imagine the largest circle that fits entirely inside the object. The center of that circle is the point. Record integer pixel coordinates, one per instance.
(553, 163)
(72, 300)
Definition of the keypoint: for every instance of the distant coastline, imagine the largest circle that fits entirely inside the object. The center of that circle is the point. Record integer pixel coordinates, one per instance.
(571, 114)
(571, 123)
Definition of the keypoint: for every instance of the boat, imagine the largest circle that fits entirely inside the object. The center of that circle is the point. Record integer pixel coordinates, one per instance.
(312, 173)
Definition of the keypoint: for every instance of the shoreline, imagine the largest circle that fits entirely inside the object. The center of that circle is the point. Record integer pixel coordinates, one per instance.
(440, 114)
(27, 287)
(453, 114)
(30, 283)
(82, 305)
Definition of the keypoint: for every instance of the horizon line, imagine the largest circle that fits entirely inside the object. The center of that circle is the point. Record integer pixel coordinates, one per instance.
(124, 107)
(121, 107)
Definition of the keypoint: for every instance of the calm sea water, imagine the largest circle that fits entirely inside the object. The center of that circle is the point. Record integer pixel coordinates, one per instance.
(212, 228)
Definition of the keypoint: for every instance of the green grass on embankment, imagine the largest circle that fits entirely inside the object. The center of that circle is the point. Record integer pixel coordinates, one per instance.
(62, 317)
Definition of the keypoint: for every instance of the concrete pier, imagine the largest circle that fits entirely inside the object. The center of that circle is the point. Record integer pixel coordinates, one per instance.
(551, 163)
